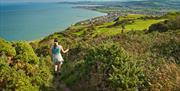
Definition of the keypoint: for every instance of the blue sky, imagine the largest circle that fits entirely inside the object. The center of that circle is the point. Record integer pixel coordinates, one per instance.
(13, 1)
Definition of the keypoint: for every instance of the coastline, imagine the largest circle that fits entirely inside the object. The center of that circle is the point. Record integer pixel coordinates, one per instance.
(85, 20)
(105, 18)
(41, 24)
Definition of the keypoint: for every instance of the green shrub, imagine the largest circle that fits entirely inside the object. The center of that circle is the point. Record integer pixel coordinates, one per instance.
(160, 27)
(117, 69)
(6, 48)
(43, 51)
(25, 53)
(169, 50)
(29, 78)
(13, 80)
(171, 24)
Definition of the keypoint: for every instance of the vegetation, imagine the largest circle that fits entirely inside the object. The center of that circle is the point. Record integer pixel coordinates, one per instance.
(6, 48)
(116, 68)
(25, 71)
(25, 53)
(101, 57)
(127, 23)
(172, 24)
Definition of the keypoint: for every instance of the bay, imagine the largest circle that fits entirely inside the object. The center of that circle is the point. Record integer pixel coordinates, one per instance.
(30, 21)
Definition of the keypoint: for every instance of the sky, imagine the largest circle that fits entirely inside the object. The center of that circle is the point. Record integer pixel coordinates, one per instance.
(16, 1)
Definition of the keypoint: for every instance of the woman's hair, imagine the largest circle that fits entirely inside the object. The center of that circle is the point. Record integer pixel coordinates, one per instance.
(55, 43)
(55, 40)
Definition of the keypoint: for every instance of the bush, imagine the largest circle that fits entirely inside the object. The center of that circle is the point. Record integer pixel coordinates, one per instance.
(25, 53)
(160, 27)
(13, 80)
(29, 78)
(117, 70)
(123, 22)
(171, 24)
(169, 50)
(6, 48)
(43, 51)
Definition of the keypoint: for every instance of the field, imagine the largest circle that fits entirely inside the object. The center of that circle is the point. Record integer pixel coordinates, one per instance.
(137, 25)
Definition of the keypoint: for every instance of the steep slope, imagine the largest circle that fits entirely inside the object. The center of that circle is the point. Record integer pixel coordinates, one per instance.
(101, 57)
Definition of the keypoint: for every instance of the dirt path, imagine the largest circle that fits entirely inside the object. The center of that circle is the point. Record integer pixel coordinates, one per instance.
(59, 85)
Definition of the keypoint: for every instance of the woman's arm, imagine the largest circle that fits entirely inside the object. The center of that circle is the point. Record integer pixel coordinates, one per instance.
(64, 51)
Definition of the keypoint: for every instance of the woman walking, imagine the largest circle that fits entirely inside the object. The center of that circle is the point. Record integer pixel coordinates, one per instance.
(57, 58)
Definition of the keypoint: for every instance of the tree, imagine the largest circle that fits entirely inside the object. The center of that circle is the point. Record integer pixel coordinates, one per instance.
(160, 27)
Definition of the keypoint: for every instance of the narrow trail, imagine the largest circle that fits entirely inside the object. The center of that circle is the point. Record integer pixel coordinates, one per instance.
(59, 85)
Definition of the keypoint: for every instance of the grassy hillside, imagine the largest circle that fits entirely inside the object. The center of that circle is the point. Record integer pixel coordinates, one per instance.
(103, 58)
(144, 56)
(131, 22)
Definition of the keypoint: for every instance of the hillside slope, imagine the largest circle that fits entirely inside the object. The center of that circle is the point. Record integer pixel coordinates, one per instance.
(102, 57)
(133, 52)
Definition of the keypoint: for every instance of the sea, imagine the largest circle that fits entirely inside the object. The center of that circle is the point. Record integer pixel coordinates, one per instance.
(32, 21)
